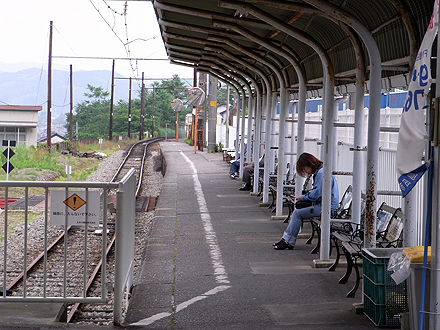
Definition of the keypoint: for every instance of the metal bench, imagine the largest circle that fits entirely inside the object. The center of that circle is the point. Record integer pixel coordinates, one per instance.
(343, 216)
(389, 223)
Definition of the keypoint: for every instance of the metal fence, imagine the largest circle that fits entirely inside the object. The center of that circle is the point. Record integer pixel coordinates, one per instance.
(81, 205)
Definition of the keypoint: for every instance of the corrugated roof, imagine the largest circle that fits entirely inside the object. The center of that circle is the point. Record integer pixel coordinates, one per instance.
(396, 25)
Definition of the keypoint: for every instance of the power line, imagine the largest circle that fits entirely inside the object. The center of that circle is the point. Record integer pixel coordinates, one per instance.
(113, 58)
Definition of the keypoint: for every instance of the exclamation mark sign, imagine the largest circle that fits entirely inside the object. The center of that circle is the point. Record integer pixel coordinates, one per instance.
(74, 201)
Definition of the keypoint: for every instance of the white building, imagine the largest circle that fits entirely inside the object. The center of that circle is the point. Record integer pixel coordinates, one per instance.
(19, 123)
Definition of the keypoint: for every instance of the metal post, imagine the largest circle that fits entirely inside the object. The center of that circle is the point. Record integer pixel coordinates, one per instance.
(71, 104)
(110, 134)
(249, 128)
(227, 117)
(129, 109)
(301, 131)
(212, 115)
(328, 152)
(49, 91)
(125, 237)
(281, 145)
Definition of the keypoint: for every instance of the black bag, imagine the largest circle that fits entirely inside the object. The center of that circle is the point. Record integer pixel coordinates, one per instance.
(303, 204)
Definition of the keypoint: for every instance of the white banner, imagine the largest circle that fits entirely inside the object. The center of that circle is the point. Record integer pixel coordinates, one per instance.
(412, 132)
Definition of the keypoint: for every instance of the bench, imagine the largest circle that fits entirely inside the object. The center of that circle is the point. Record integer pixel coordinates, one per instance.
(288, 185)
(338, 221)
(228, 155)
(350, 238)
(288, 189)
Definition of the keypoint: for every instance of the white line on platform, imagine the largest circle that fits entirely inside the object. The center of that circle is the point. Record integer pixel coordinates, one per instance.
(219, 270)
(181, 306)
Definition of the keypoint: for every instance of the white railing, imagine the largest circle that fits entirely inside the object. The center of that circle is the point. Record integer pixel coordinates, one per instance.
(68, 204)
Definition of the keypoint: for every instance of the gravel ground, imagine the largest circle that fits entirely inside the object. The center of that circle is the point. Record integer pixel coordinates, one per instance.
(107, 167)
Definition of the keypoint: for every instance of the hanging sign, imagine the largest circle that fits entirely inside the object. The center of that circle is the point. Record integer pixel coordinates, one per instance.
(412, 133)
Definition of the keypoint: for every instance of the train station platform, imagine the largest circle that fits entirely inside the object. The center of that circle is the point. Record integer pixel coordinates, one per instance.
(209, 261)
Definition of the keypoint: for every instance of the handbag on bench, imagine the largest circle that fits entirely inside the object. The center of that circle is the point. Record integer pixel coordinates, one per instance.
(303, 204)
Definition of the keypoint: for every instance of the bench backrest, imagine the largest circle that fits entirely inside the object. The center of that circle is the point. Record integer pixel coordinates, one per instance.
(344, 210)
(394, 229)
(383, 217)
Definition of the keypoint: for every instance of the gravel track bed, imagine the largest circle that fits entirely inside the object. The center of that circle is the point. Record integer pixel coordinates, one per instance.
(152, 182)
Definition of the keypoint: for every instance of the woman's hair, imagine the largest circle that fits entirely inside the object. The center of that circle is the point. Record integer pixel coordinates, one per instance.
(306, 159)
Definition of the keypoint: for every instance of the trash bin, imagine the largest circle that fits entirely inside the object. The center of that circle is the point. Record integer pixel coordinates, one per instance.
(384, 300)
(414, 283)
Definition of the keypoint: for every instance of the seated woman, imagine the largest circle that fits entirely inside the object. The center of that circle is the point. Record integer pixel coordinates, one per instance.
(306, 165)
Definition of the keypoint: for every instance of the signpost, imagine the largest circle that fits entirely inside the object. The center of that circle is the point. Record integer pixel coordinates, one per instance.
(8, 153)
(177, 105)
(195, 97)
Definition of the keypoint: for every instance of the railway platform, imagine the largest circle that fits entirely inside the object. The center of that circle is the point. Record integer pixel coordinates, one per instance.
(209, 263)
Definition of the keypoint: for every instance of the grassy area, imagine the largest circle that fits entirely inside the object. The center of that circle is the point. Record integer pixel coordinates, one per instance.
(31, 164)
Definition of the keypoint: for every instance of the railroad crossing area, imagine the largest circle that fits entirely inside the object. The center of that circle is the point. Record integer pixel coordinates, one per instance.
(209, 263)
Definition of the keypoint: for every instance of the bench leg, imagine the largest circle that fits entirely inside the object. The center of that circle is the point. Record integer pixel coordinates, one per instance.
(312, 236)
(273, 199)
(290, 207)
(352, 292)
(260, 188)
(318, 243)
(344, 279)
(338, 255)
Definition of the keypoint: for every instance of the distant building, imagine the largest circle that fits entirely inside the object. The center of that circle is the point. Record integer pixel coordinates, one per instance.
(19, 123)
(55, 137)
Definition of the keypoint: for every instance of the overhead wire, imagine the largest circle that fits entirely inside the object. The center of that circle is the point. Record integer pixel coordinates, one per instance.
(134, 67)
(42, 67)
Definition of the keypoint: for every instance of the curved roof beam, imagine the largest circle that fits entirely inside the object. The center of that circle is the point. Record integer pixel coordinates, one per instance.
(374, 111)
(209, 15)
(226, 72)
(405, 13)
(301, 79)
(282, 78)
(328, 106)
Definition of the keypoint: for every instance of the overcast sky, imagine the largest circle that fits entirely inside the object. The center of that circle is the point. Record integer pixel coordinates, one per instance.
(85, 28)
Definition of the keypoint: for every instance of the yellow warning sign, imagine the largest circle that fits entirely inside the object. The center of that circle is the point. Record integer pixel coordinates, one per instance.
(213, 103)
(74, 202)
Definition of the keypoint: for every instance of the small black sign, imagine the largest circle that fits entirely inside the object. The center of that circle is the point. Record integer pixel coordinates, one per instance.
(5, 167)
(11, 143)
(11, 153)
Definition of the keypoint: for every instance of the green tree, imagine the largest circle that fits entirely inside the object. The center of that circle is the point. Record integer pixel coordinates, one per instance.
(92, 115)
(158, 101)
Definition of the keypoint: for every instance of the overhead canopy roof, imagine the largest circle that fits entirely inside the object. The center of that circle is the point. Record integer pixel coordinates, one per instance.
(241, 36)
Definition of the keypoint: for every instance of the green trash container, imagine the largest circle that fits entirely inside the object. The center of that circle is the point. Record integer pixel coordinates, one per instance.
(384, 300)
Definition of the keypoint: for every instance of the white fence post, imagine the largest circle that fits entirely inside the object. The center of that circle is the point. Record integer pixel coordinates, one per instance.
(124, 248)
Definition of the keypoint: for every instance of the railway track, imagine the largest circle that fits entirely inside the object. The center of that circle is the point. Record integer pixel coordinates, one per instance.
(77, 238)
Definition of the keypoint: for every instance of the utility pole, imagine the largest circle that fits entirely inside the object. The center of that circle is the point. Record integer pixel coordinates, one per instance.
(110, 134)
(71, 104)
(141, 128)
(152, 115)
(129, 109)
(49, 91)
